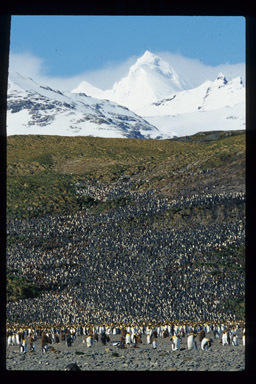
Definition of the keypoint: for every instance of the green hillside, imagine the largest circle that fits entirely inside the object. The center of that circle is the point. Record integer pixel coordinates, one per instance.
(42, 170)
(160, 222)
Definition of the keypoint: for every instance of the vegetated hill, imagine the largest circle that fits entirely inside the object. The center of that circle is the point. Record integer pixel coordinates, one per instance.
(19, 288)
(44, 172)
(124, 229)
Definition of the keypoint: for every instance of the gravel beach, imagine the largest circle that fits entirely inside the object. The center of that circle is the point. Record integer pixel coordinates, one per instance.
(108, 357)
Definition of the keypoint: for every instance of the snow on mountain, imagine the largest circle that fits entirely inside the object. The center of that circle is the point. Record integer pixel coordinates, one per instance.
(89, 89)
(223, 119)
(153, 90)
(160, 103)
(37, 109)
(213, 105)
(148, 80)
(208, 96)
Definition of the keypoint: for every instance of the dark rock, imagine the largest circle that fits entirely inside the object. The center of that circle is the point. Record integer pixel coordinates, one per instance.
(72, 367)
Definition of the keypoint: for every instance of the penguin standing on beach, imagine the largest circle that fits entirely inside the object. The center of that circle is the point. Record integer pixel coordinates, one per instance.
(32, 345)
(149, 330)
(20, 336)
(207, 328)
(17, 339)
(10, 338)
(103, 338)
(128, 338)
(234, 339)
(133, 336)
(154, 342)
(206, 343)
(175, 341)
(216, 334)
(44, 341)
(89, 341)
(69, 340)
(191, 341)
(201, 335)
(14, 338)
(225, 338)
(24, 345)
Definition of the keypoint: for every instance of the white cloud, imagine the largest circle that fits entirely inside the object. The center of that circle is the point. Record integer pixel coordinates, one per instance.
(193, 70)
(34, 67)
(113, 71)
(196, 72)
(26, 64)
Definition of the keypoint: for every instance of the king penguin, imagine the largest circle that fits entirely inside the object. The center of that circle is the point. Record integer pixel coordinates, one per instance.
(224, 338)
(10, 340)
(175, 343)
(243, 338)
(191, 341)
(89, 341)
(128, 338)
(205, 344)
(154, 342)
(234, 340)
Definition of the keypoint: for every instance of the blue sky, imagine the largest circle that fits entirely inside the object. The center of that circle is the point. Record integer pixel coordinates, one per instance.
(66, 46)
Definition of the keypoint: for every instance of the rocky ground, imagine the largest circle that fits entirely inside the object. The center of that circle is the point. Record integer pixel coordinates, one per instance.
(142, 358)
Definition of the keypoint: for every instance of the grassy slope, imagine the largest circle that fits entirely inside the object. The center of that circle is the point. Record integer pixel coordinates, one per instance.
(19, 288)
(42, 170)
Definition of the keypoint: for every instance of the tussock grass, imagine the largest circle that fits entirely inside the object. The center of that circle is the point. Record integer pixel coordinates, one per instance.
(42, 170)
(20, 288)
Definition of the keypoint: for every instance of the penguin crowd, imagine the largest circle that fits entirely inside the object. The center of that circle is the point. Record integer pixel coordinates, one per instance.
(28, 338)
(127, 264)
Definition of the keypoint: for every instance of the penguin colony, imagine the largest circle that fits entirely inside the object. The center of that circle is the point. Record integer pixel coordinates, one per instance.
(197, 335)
(123, 266)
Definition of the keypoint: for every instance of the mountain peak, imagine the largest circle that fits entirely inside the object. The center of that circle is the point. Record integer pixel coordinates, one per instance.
(87, 88)
(222, 78)
(153, 63)
(148, 57)
(147, 53)
(149, 79)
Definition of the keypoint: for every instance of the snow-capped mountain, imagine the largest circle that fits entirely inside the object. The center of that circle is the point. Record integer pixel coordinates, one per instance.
(154, 90)
(208, 96)
(149, 79)
(213, 105)
(36, 109)
(161, 105)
